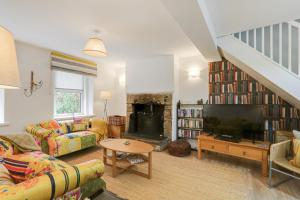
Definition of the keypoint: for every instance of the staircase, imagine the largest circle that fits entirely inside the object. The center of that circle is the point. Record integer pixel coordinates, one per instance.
(271, 54)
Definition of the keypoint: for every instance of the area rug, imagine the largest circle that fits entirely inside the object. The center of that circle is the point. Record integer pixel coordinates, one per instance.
(176, 178)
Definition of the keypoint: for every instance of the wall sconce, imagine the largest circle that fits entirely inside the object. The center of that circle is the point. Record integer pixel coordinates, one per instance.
(33, 86)
(194, 73)
(122, 80)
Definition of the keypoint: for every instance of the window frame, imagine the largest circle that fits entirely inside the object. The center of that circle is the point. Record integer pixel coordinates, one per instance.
(84, 99)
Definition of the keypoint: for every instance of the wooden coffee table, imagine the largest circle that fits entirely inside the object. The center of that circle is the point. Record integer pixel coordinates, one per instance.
(134, 147)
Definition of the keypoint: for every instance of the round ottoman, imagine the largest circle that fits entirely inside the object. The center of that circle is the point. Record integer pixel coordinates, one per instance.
(180, 148)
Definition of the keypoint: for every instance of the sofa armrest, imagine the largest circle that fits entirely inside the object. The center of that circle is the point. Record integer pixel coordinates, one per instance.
(40, 132)
(280, 150)
(54, 184)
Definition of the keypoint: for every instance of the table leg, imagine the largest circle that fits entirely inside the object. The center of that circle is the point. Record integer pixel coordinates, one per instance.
(105, 156)
(150, 165)
(199, 153)
(264, 164)
(114, 169)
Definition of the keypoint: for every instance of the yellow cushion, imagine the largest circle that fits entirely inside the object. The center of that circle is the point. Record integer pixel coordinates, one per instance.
(296, 148)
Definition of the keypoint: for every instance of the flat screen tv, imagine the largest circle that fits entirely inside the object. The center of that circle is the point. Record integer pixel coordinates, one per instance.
(238, 121)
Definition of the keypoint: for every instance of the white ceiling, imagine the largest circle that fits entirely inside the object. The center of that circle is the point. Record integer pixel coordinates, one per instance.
(230, 16)
(131, 28)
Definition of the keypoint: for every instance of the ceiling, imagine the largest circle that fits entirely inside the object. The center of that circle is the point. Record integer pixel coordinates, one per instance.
(230, 16)
(130, 28)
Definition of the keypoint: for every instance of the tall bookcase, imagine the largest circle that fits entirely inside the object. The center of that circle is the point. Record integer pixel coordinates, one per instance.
(230, 85)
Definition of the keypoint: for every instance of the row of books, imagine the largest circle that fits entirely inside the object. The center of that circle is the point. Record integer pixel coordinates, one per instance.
(190, 112)
(281, 112)
(242, 86)
(249, 98)
(193, 134)
(221, 66)
(282, 124)
(229, 76)
(187, 123)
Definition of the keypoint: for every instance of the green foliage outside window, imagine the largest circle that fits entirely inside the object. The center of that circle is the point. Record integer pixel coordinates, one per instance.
(68, 102)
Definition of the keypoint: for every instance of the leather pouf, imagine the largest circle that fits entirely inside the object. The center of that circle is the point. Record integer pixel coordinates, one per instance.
(180, 148)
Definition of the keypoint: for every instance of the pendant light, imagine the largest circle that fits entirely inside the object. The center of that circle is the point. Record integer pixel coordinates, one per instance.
(9, 70)
(95, 46)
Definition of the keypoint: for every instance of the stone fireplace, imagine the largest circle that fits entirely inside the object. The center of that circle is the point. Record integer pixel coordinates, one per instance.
(149, 115)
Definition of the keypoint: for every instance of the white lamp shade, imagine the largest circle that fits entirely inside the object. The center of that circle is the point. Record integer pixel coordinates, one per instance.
(9, 71)
(95, 47)
(106, 95)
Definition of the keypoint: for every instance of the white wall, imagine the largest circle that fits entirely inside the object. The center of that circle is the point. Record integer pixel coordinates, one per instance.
(191, 90)
(150, 75)
(108, 79)
(21, 110)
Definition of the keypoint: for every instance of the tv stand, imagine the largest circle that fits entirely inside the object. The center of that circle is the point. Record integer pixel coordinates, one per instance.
(244, 149)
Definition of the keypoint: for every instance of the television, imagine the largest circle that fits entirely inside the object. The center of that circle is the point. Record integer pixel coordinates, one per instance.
(234, 121)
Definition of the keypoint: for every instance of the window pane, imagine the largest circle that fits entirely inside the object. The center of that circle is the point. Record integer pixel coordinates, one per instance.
(68, 102)
(67, 80)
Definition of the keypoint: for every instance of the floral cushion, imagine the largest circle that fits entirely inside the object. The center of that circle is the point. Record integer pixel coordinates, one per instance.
(6, 148)
(50, 125)
(296, 160)
(28, 165)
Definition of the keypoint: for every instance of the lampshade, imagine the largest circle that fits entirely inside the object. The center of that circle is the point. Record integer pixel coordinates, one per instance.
(9, 71)
(95, 47)
(106, 95)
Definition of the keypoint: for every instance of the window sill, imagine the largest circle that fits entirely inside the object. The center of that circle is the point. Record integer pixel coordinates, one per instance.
(71, 117)
(3, 124)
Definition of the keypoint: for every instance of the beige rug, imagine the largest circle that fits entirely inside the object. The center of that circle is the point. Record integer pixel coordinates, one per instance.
(176, 178)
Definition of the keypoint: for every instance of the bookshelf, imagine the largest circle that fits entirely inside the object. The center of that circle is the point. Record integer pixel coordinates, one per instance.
(230, 85)
(189, 120)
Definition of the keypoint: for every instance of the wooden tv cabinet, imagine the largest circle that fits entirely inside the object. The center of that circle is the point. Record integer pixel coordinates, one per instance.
(244, 149)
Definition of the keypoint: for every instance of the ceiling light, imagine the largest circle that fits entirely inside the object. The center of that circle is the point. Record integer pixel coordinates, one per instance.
(95, 46)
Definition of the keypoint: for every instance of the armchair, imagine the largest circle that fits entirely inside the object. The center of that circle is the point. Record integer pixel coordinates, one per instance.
(279, 153)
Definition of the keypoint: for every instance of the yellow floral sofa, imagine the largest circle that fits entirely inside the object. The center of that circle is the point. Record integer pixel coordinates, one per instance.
(57, 139)
(46, 177)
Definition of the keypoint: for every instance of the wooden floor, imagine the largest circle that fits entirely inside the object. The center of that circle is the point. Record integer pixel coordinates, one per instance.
(217, 177)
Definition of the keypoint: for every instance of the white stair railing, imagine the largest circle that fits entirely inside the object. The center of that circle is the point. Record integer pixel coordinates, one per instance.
(279, 42)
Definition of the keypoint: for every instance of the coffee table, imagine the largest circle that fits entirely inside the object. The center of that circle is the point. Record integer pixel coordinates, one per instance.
(134, 147)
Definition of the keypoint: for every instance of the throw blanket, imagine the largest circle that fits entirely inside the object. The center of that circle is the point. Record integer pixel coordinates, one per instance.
(23, 141)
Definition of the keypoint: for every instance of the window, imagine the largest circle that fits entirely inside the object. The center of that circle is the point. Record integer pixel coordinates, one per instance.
(1, 106)
(73, 94)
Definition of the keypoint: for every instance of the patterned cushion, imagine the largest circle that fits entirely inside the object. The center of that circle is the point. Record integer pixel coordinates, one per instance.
(50, 125)
(296, 160)
(5, 178)
(63, 128)
(28, 165)
(6, 148)
(79, 127)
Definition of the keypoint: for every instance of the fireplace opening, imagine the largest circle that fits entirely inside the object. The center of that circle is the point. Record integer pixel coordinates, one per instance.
(147, 120)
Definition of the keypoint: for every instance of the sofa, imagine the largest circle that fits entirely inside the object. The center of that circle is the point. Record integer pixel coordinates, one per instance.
(46, 177)
(61, 138)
